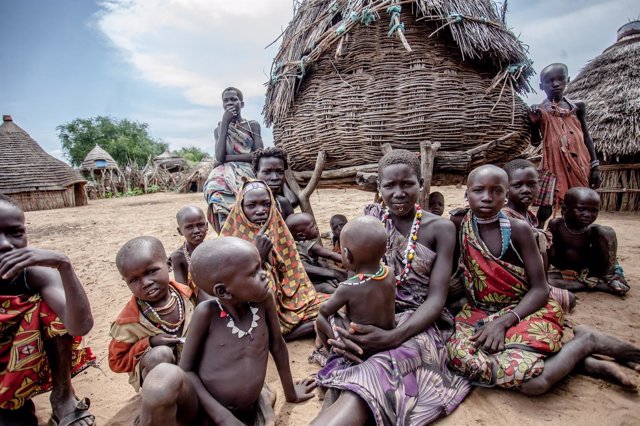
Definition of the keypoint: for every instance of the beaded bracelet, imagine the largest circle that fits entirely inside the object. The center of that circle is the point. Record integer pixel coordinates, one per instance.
(516, 314)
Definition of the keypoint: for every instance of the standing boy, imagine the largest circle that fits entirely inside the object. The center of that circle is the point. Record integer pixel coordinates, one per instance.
(568, 156)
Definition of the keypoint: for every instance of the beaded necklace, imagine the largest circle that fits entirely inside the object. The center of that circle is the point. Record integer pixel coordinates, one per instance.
(379, 275)
(505, 229)
(573, 232)
(410, 251)
(154, 314)
(232, 325)
(185, 251)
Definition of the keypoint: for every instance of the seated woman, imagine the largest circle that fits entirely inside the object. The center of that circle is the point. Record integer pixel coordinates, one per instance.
(270, 165)
(255, 218)
(509, 333)
(236, 138)
(406, 381)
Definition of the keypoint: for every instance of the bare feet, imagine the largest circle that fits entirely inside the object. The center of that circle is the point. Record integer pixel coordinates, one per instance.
(615, 286)
(605, 344)
(266, 403)
(608, 370)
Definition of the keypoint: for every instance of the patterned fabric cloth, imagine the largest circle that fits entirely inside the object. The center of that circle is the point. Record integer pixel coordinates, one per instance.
(544, 238)
(26, 321)
(296, 299)
(225, 180)
(131, 331)
(565, 157)
(494, 287)
(410, 384)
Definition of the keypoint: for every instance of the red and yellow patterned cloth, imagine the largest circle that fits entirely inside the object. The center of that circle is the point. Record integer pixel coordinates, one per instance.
(494, 287)
(26, 321)
(296, 298)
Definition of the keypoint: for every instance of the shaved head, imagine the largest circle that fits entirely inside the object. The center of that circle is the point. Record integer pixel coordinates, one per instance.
(576, 194)
(297, 222)
(186, 210)
(147, 245)
(214, 260)
(365, 237)
(486, 170)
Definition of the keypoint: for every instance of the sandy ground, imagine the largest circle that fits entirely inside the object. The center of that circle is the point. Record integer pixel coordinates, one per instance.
(91, 236)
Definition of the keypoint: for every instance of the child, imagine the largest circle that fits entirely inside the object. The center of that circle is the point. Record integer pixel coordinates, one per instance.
(151, 327)
(192, 225)
(436, 203)
(509, 334)
(368, 296)
(44, 311)
(523, 187)
(255, 218)
(236, 139)
(305, 231)
(583, 254)
(224, 363)
(337, 222)
(269, 165)
(568, 156)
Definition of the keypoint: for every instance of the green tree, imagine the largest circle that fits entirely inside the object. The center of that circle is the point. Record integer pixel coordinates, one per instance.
(192, 154)
(124, 140)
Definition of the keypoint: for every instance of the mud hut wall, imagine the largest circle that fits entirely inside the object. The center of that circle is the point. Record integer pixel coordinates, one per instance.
(377, 92)
(72, 196)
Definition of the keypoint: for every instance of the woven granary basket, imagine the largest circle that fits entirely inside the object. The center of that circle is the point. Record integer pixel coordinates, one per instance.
(378, 92)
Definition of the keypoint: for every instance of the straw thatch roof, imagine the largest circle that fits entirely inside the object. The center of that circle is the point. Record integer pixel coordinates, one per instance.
(610, 86)
(194, 181)
(33, 178)
(170, 161)
(353, 75)
(98, 159)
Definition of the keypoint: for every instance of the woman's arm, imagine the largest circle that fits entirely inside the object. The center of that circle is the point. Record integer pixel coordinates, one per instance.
(595, 179)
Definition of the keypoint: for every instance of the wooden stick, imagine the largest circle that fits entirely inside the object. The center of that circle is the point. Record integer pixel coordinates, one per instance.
(386, 148)
(427, 155)
(304, 194)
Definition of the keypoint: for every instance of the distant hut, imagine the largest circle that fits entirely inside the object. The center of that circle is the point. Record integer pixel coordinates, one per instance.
(104, 171)
(610, 85)
(171, 162)
(194, 182)
(351, 76)
(32, 178)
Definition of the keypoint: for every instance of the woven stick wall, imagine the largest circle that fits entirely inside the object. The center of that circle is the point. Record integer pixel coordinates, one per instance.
(375, 91)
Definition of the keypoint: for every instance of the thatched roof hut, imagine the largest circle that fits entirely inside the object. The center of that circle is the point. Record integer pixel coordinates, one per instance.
(31, 177)
(353, 75)
(194, 181)
(170, 161)
(610, 86)
(98, 159)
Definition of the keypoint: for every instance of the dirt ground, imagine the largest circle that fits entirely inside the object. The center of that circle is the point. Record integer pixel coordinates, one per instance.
(91, 236)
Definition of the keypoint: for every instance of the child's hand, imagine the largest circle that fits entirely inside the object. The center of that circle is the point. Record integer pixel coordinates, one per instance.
(16, 260)
(490, 336)
(304, 390)
(264, 245)
(595, 179)
(164, 340)
(534, 114)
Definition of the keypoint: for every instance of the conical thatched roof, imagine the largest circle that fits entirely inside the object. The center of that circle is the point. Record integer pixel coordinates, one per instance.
(170, 161)
(353, 75)
(610, 86)
(98, 159)
(26, 167)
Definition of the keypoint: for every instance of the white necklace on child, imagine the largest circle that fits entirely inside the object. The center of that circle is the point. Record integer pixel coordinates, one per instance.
(185, 251)
(232, 325)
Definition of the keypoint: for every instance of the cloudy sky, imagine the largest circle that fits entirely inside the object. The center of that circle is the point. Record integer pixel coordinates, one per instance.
(165, 62)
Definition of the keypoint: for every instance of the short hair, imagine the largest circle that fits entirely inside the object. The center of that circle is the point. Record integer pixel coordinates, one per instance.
(8, 200)
(546, 69)
(238, 92)
(517, 164)
(400, 156)
(296, 221)
(139, 243)
(271, 152)
(436, 194)
(337, 217)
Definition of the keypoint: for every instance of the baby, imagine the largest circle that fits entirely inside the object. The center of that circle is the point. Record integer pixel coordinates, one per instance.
(436, 203)
(368, 296)
(224, 362)
(305, 231)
